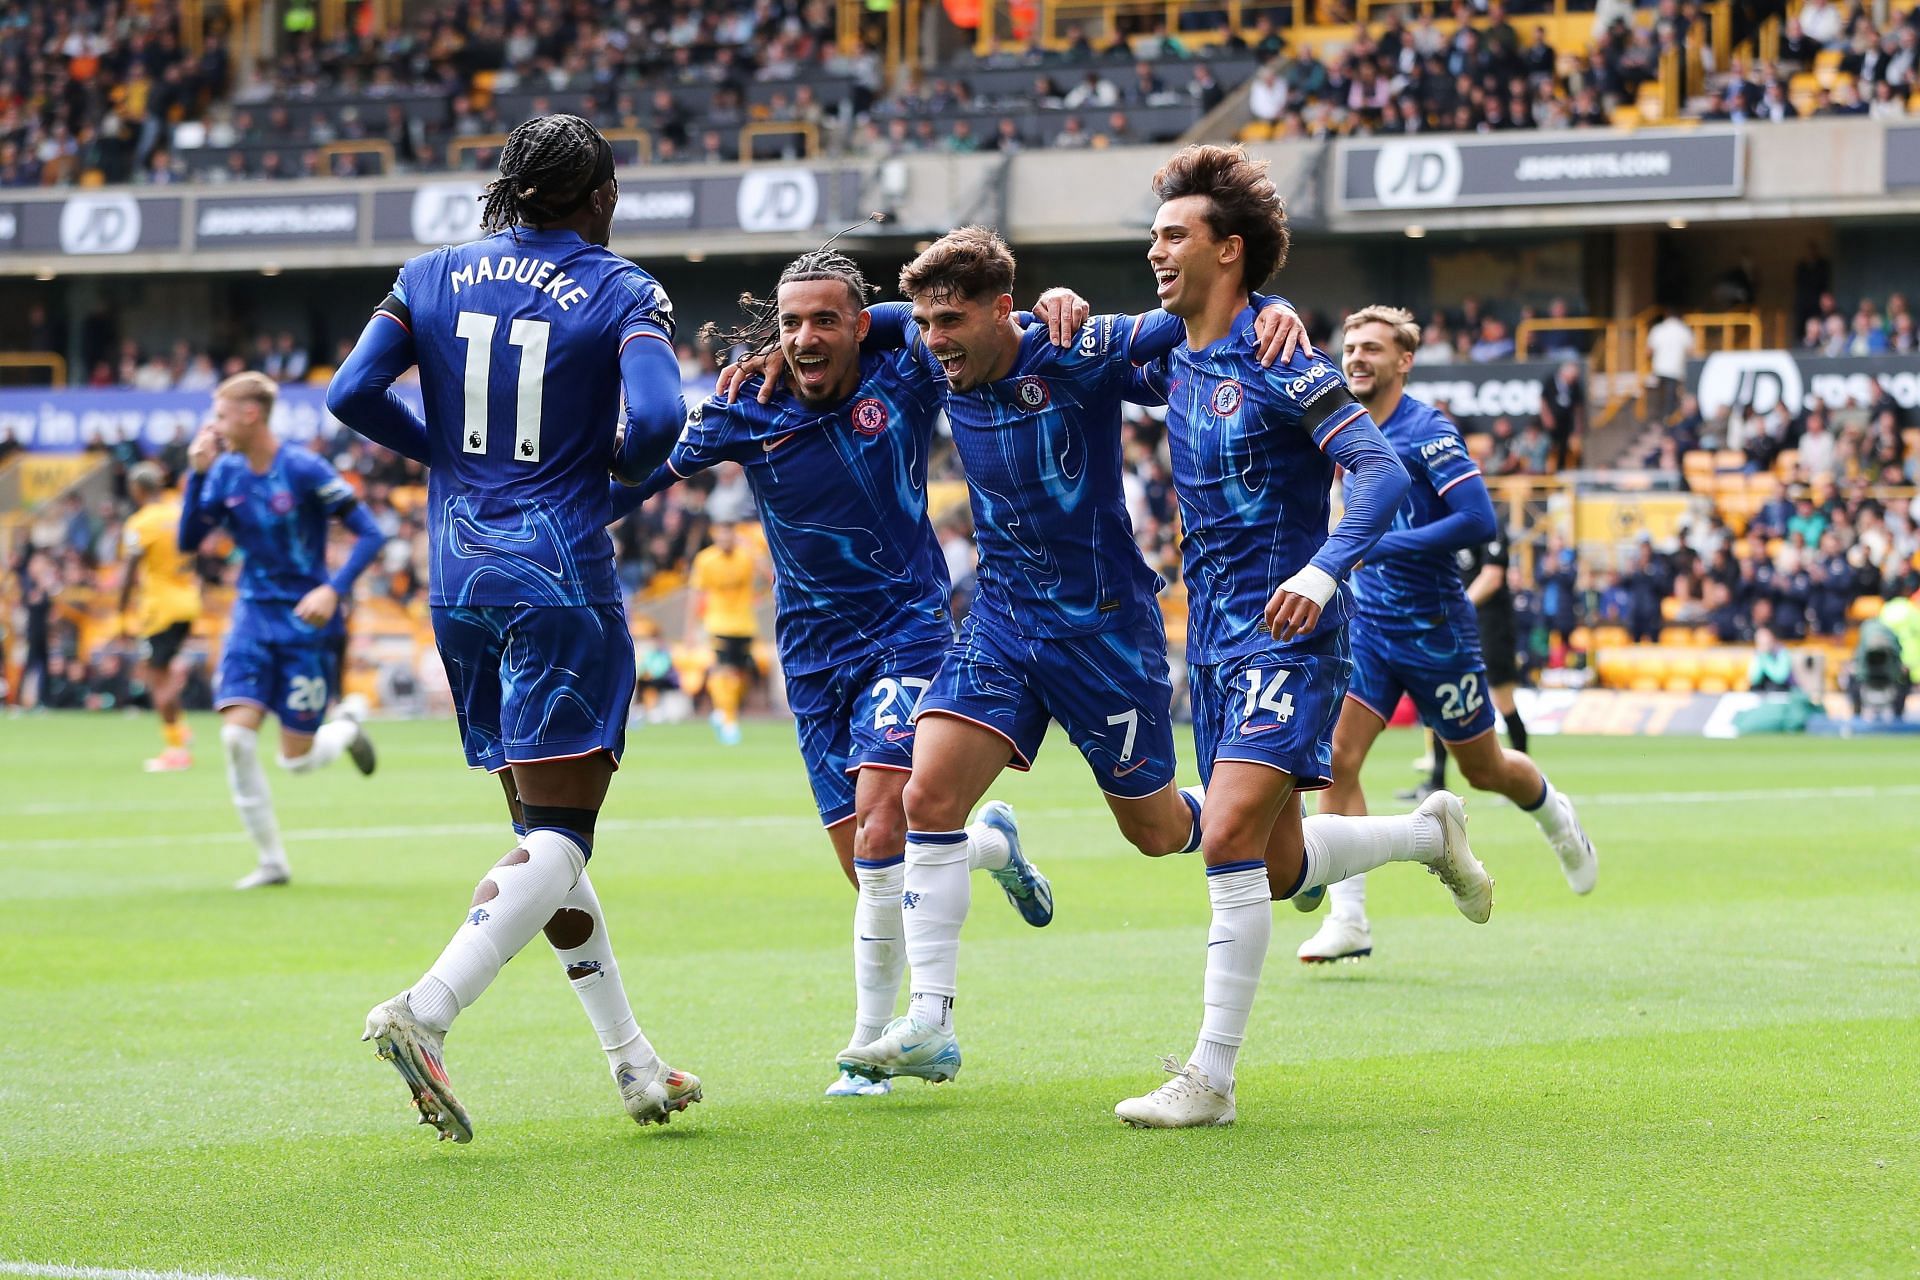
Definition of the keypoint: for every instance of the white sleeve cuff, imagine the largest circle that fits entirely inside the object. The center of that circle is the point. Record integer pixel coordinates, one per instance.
(1315, 583)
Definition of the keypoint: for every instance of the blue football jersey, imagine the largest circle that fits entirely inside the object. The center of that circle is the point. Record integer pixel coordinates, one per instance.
(278, 522)
(518, 339)
(1419, 590)
(1041, 448)
(842, 493)
(1253, 461)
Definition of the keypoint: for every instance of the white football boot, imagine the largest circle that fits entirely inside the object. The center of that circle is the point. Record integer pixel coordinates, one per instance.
(849, 1085)
(1578, 860)
(1339, 938)
(655, 1096)
(1455, 865)
(1188, 1101)
(416, 1052)
(264, 876)
(905, 1048)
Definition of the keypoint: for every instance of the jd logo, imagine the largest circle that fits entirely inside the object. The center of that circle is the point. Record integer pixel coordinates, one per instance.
(1757, 380)
(446, 213)
(777, 199)
(100, 224)
(1416, 174)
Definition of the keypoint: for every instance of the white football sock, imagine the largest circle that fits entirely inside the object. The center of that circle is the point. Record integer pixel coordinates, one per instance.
(879, 945)
(987, 848)
(329, 740)
(1546, 813)
(594, 975)
(934, 906)
(248, 783)
(1196, 798)
(1236, 951)
(495, 930)
(1340, 851)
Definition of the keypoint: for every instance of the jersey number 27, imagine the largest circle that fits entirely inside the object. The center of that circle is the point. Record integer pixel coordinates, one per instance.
(476, 329)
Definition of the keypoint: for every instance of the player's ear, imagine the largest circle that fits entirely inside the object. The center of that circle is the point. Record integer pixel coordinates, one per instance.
(1002, 307)
(861, 323)
(1232, 249)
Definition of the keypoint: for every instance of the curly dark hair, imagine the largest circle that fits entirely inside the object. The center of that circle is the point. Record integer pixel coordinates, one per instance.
(968, 263)
(1242, 201)
(546, 172)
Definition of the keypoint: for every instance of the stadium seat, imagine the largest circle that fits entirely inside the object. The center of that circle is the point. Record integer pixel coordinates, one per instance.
(1865, 607)
(1625, 116)
(1255, 131)
(1712, 684)
(1729, 460)
(1610, 637)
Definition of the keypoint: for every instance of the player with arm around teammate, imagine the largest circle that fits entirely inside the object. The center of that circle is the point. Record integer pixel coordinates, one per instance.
(1415, 632)
(837, 460)
(281, 653)
(526, 341)
(1254, 451)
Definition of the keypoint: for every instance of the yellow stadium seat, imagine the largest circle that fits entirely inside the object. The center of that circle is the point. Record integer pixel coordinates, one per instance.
(1865, 607)
(1256, 131)
(1678, 684)
(1712, 684)
(1645, 684)
(1610, 637)
(1479, 446)
(1580, 638)
(1676, 635)
(1625, 117)
(1729, 460)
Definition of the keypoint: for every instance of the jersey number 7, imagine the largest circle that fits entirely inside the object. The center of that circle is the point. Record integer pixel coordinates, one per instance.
(531, 337)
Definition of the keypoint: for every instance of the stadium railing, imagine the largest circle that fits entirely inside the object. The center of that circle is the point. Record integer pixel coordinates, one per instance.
(54, 363)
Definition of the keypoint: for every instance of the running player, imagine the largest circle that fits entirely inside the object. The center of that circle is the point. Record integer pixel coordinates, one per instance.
(1415, 632)
(1065, 626)
(725, 578)
(1254, 451)
(1483, 570)
(169, 602)
(281, 652)
(525, 341)
(838, 465)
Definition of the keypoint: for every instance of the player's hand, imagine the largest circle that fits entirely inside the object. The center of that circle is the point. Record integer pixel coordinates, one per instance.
(317, 607)
(1280, 332)
(1063, 311)
(204, 449)
(768, 368)
(1295, 607)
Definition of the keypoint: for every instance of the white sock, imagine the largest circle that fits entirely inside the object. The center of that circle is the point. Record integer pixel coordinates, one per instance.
(495, 930)
(1236, 951)
(1347, 899)
(1340, 851)
(1546, 813)
(1196, 798)
(934, 906)
(329, 740)
(987, 848)
(879, 945)
(594, 975)
(248, 783)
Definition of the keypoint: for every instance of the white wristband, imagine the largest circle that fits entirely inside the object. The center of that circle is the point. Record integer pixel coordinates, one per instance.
(1314, 583)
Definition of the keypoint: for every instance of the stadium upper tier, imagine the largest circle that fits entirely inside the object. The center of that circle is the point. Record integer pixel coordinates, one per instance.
(100, 93)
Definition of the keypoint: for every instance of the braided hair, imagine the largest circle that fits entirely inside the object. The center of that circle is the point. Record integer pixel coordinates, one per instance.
(548, 169)
(760, 335)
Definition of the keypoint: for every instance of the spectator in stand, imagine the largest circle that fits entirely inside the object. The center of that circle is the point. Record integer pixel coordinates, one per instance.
(1563, 410)
(1670, 344)
(1493, 344)
(1267, 96)
(1771, 670)
(1816, 446)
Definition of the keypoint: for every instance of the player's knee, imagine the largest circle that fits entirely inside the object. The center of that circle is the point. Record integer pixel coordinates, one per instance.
(1346, 762)
(1155, 838)
(570, 928)
(1233, 835)
(880, 835)
(1484, 771)
(929, 809)
(485, 891)
(514, 859)
(239, 742)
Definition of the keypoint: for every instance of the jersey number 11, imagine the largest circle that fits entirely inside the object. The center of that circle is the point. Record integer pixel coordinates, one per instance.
(531, 337)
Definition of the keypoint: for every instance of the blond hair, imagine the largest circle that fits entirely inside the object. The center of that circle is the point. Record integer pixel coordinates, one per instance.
(257, 388)
(1406, 330)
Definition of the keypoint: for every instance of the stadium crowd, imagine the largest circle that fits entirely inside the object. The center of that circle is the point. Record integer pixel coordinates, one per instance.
(100, 90)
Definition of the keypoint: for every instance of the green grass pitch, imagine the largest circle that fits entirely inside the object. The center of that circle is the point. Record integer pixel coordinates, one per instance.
(1705, 1068)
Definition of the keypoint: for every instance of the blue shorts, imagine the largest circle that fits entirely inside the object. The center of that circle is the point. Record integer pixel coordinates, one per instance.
(294, 679)
(859, 716)
(1440, 669)
(1109, 691)
(533, 683)
(1276, 706)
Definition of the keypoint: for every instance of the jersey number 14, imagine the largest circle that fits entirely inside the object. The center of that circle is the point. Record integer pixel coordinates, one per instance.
(530, 336)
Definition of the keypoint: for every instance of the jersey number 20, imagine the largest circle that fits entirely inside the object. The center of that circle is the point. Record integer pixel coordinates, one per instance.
(531, 337)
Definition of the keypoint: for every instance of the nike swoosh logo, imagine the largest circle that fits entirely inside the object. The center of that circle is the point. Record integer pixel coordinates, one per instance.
(1223, 942)
(1248, 730)
(899, 735)
(865, 938)
(1121, 773)
(768, 446)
